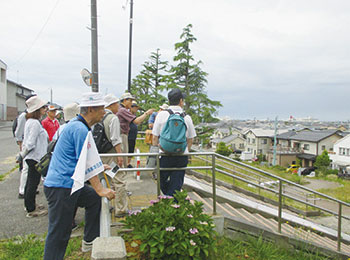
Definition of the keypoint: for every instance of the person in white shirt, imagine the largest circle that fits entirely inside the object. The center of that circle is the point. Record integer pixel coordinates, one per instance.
(34, 148)
(171, 181)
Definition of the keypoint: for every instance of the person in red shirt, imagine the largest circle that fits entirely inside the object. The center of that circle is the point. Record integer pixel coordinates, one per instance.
(50, 123)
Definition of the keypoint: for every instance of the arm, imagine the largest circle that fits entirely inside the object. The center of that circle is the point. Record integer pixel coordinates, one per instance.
(116, 140)
(189, 143)
(100, 190)
(20, 129)
(155, 140)
(140, 119)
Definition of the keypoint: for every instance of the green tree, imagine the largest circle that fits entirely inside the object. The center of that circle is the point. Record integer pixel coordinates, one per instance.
(223, 149)
(323, 160)
(150, 82)
(191, 79)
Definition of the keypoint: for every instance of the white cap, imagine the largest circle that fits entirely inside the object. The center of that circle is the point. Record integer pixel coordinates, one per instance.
(70, 111)
(110, 99)
(34, 103)
(52, 108)
(126, 95)
(164, 106)
(92, 99)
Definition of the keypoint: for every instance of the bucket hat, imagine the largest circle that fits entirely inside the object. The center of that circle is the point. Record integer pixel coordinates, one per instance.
(70, 111)
(110, 99)
(92, 99)
(126, 95)
(34, 103)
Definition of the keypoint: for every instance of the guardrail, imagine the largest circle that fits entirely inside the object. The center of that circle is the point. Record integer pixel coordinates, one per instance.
(214, 169)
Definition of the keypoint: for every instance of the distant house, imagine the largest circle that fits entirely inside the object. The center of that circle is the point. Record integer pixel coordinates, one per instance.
(3, 90)
(16, 95)
(258, 141)
(305, 145)
(341, 154)
(235, 142)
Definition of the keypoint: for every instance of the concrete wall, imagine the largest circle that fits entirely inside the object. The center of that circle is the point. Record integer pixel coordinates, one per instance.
(328, 143)
(282, 159)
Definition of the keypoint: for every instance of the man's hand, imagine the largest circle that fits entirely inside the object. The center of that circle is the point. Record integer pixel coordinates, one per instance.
(19, 158)
(120, 162)
(108, 193)
(149, 111)
(106, 167)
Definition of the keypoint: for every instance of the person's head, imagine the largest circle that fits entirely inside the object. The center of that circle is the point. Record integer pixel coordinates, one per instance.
(92, 107)
(51, 112)
(126, 99)
(134, 107)
(70, 111)
(36, 107)
(163, 107)
(176, 97)
(112, 103)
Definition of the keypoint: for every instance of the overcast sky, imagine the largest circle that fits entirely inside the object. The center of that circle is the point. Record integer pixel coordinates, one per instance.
(265, 58)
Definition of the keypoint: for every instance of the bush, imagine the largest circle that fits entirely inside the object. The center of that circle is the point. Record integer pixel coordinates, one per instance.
(173, 230)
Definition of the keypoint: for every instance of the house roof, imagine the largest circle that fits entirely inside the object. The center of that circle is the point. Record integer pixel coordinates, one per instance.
(19, 85)
(226, 139)
(262, 132)
(307, 156)
(310, 136)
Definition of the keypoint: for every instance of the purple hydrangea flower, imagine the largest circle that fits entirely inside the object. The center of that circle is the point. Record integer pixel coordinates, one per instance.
(175, 206)
(154, 201)
(192, 242)
(193, 231)
(171, 229)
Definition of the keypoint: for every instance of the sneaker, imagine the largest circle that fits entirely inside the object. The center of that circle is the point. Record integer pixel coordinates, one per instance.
(37, 213)
(86, 246)
(128, 193)
(37, 207)
(20, 196)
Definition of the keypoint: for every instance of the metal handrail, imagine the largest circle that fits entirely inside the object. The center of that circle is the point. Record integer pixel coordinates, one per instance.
(213, 168)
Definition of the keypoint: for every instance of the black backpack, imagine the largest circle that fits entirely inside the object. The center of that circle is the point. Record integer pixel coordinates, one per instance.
(98, 132)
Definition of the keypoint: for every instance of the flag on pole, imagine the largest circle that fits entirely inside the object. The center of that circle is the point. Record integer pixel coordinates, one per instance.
(89, 164)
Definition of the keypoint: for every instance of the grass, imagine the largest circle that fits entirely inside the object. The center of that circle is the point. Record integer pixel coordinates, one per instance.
(3, 176)
(31, 247)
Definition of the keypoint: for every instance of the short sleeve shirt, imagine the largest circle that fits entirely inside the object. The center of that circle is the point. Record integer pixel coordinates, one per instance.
(152, 118)
(66, 154)
(125, 118)
(51, 126)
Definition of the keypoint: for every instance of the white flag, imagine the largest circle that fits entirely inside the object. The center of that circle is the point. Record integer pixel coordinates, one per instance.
(89, 164)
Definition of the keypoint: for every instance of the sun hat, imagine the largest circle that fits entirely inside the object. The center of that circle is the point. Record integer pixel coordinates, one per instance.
(126, 95)
(92, 99)
(51, 108)
(70, 111)
(176, 94)
(164, 106)
(110, 99)
(34, 103)
(134, 104)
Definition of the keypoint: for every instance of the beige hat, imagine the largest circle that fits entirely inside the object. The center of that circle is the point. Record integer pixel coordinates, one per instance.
(70, 111)
(34, 103)
(92, 99)
(110, 99)
(126, 95)
(164, 107)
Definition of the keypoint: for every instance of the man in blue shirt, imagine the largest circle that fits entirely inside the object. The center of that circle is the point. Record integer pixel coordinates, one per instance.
(58, 183)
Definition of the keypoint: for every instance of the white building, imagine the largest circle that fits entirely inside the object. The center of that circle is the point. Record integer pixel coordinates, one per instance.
(3, 90)
(341, 154)
(16, 96)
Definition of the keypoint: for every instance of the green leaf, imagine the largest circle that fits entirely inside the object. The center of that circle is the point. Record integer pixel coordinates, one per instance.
(143, 247)
(183, 243)
(191, 251)
(134, 244)
(161, 247)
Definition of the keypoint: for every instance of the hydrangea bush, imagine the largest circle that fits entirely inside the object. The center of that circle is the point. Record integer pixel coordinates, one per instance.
(173, 229)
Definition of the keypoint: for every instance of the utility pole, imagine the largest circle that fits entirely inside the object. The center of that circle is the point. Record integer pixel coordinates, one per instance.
(130, 43)
(51, 96)
(275, 143)
(94, 47)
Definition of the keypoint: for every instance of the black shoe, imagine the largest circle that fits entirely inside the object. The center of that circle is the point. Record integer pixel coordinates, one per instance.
(37, 192)
(20, 196)
(130, 166)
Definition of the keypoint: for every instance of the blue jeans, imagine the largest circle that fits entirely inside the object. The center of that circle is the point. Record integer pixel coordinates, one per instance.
(171, 181)
(62, 207)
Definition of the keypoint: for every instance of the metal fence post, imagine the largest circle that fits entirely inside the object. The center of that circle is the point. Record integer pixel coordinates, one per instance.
(214, 184)
(158, 175)
(339, 226)
(280, 207)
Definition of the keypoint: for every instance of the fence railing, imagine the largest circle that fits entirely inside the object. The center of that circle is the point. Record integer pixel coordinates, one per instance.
(214, 158)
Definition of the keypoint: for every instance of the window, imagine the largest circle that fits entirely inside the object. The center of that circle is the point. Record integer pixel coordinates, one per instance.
(264, 141)
(248, 140)
(3, 75)
(260, 151)
(241, 145)
(306, 147)
(342, 151)
(253, 140)
(323, 147)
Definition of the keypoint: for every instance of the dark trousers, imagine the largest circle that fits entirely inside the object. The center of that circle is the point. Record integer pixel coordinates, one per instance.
(32, 183)
(62, 207)
(171, 181)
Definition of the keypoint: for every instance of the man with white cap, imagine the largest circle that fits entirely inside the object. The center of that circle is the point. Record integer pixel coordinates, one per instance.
(152, 118)
(50, 123)
(112, 129)
(58, 183)
(69, 112)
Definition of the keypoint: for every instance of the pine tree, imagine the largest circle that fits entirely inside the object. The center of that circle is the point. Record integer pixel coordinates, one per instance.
(191, 79)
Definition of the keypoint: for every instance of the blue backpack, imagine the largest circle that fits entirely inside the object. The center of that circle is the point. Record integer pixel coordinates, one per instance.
(173, 136)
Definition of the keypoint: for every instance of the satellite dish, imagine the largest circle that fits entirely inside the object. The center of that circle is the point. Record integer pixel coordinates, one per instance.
(87, 77)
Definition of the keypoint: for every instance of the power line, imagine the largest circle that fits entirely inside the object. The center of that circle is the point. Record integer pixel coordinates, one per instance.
(38, 35)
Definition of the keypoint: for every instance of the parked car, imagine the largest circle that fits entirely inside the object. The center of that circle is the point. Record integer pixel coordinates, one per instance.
(293, 168)
(308, 170)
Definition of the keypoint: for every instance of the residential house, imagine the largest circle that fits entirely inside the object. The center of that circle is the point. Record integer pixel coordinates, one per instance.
(16, 95)
(258, 141)
(235, 142)
(3, 90)
(304, 145)
(341, 154)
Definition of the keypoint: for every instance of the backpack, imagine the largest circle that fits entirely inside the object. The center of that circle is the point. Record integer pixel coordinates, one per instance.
(102, 143)
(14, 126)
(173, 136)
